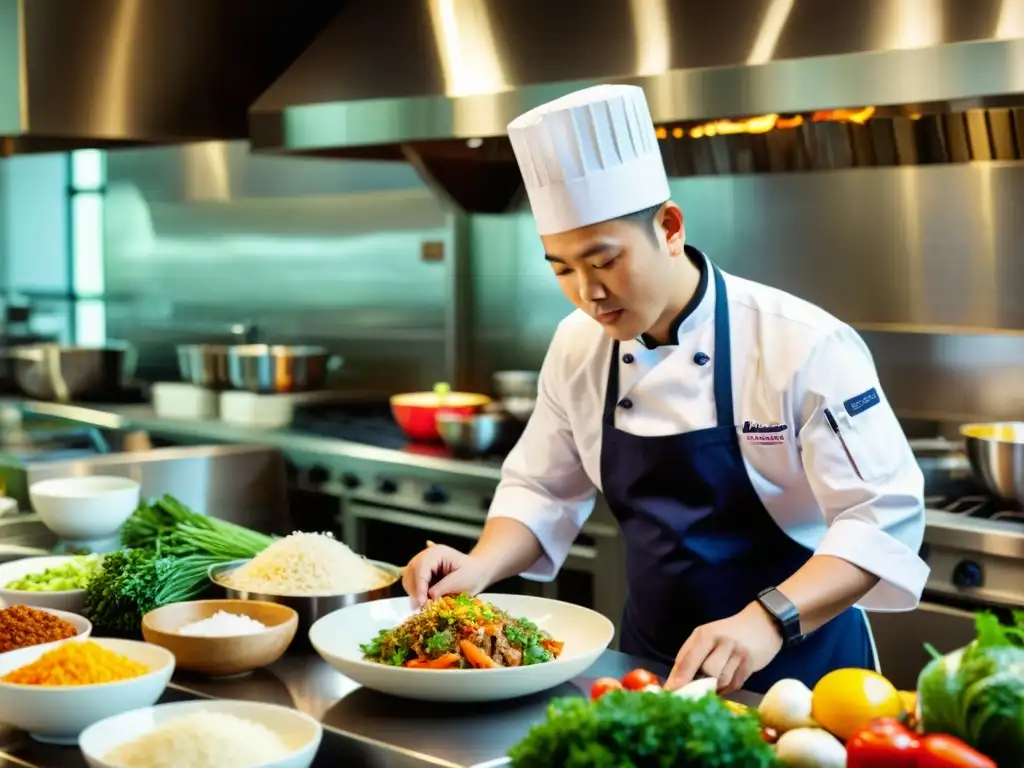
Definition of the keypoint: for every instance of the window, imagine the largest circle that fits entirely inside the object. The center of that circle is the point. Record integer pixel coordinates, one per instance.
(88, 179)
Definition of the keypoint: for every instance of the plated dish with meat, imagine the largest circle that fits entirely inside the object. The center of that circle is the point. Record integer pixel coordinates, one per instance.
(462, 632)
(524, 645)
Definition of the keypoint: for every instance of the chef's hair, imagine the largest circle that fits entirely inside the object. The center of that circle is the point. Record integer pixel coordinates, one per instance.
(645, 218)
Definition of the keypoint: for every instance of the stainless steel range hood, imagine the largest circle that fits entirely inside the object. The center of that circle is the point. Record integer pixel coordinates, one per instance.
(106, 73)
(437, 83)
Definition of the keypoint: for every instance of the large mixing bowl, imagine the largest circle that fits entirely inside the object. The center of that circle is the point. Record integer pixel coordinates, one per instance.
(311, 608)
(273, 368)
(56, 372)
(996, 453)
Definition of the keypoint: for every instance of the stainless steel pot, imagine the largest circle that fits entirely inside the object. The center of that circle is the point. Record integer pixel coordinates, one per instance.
(205, 365)
(270, 368)
(309, 608)
(473, 435)
(56, 372)
(996, 453)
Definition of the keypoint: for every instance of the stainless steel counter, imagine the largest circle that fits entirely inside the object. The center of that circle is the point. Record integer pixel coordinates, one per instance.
(361, 727)
(143, 418)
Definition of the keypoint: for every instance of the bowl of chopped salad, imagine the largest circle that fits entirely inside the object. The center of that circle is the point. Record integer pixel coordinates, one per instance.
(48, 582)
(462, 648)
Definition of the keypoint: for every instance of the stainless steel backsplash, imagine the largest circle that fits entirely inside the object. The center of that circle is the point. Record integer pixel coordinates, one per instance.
(925, 260)
(201, 237)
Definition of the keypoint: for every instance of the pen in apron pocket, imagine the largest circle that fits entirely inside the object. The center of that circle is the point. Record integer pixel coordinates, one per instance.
(835, 428)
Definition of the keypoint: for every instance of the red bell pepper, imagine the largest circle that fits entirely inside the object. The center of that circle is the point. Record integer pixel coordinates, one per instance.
(883, 743)
(941, 751)
(887, 743)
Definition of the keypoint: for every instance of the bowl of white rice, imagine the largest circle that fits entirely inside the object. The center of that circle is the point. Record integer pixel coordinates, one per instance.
(313, 573)
(204, 734)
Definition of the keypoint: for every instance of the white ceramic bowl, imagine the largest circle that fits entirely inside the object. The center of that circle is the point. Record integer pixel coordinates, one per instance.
(85, 508)
(81, 624)
(296, 729)
(72, 600)
(57, 714)
(586, 635)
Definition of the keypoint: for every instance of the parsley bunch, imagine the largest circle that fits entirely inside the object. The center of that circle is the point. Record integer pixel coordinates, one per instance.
(625, 729)
(133, 582)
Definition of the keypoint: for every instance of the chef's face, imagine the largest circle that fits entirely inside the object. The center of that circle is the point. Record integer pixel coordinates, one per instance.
(620, 272)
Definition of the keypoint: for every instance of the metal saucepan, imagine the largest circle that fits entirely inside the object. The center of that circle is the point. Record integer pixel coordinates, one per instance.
(270, 368)
(517, 392)
(56, 372)
(469, 435)
(996, 453)
(205, 365)
(309, 608)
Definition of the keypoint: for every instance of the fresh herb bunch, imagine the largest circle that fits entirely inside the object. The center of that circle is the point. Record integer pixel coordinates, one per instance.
(976, 693)
(627, 729)
(133, 582)
(180, 531)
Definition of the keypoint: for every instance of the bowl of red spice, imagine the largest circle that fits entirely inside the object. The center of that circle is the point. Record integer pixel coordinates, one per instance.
(22, 626)
(56, 691)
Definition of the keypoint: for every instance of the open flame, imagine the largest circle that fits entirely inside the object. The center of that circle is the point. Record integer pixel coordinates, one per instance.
(766, 123)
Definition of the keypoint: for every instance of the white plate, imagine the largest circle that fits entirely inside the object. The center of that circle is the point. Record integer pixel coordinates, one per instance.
(81, 624)
(586, 635)
(57, 714)
(72, 600)
(296, 729)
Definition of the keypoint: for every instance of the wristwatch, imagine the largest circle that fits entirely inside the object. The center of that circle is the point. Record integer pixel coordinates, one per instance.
(784, 613)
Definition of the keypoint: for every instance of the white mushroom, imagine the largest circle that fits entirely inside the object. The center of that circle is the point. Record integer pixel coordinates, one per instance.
(810, 748)
(787, 705)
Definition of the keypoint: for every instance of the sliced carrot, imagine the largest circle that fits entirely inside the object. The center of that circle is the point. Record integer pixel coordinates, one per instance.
(491, 629)
(555, 646)
(444, 661)
(476, 656)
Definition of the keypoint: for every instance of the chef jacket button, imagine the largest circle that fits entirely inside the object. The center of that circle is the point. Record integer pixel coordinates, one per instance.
(701, 358)
(628, 358)
(625, 403)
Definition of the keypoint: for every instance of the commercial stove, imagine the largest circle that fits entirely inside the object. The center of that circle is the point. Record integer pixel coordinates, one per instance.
(974, 546)
(393, 496)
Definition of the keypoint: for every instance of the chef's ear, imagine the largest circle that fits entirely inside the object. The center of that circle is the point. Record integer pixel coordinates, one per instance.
(670, 221)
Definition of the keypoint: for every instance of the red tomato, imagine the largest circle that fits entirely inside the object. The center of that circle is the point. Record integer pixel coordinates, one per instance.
(602, 686)
(639, 679)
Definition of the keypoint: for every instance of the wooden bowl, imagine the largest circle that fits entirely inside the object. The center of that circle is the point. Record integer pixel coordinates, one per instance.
(222, 656)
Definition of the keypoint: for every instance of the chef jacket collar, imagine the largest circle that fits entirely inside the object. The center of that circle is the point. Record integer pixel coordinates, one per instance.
(698, 309)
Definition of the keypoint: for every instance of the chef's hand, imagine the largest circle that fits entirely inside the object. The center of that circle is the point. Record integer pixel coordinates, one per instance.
(730, 650)
(457, 572)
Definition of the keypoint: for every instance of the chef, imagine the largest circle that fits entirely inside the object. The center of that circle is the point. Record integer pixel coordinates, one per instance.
(764, 488)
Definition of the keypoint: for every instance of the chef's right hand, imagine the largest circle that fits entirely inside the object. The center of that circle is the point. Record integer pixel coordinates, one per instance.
(457, 572)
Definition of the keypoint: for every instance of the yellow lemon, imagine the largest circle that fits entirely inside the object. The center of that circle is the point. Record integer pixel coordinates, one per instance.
(845, 700)
(909, 701)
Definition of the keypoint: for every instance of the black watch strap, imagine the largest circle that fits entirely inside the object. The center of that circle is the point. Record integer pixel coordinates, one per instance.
(785, 614)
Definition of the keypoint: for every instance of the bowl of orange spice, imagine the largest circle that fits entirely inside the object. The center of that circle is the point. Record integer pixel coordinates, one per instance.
(56, 691)
(22, 626)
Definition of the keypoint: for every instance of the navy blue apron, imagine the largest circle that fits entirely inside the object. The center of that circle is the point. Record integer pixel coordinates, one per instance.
(700, 543)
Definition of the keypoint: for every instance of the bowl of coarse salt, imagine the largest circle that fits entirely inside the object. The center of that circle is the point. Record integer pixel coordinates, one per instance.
(220, 638)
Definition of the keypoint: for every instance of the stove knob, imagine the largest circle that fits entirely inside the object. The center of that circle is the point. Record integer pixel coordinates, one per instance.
(350, 481)
(290, 470)
(968, 574)
(386, 486)
(485, 503)
(319, 475)
(435, 494)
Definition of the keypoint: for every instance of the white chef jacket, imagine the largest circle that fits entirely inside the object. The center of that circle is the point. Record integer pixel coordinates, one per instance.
(791, 361)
